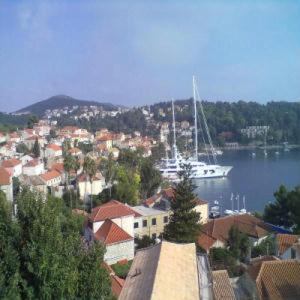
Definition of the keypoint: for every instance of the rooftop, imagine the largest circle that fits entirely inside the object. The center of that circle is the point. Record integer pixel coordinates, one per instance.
(10, 163)
(50, 175)
(5, 177)
(111, 210)
(163, 271)
(279, 280)
(148, 211)
(110, 233)
(221, 286)
(285, 241)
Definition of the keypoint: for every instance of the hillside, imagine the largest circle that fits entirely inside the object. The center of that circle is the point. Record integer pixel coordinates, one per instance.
(60, 101)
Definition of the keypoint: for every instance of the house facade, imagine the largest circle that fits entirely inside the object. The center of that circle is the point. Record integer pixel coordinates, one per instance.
(6, 185)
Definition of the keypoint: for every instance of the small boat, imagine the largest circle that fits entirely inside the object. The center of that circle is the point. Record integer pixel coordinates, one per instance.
(253, 154)
(277, 153)
(228, 212)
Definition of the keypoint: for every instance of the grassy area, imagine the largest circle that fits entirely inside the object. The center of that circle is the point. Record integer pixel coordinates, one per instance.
(122, 269)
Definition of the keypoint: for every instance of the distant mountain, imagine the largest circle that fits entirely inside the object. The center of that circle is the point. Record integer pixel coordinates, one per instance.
(60, 101)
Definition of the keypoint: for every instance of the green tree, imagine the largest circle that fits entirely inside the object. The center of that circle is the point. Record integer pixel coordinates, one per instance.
(279, 213)
(238, 243)
(51, 261)
(22, 148)
(127, 188)
(36, 149)
(10, 280)
(90, 169)
(158, 152)
(108, 169)
(33, 119)
(150, 178)
(184, 223)
(69, 164)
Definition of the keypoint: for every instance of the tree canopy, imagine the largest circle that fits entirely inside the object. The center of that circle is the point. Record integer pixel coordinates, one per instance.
(42, 255)
(184, 223)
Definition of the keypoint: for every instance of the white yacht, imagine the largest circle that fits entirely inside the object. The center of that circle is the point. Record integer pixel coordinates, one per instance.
(169, 168)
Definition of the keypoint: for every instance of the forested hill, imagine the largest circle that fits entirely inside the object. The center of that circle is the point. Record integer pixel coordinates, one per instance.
(61, 101)
(282, 117)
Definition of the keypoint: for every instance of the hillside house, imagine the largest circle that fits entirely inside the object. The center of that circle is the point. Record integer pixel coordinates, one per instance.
(6, 185)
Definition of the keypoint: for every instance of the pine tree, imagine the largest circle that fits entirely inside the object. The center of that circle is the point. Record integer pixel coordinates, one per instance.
(36, 149)
(184, 222)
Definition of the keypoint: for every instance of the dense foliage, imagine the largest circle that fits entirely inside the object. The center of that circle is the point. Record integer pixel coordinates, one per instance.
(42, 255)
(285, 211)
(184, 224)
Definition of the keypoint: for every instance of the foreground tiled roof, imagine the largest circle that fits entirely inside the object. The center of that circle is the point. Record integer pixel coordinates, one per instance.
(10, 163)
(111, 210)
(50, 175)
(279, 280)
(285, 241)
(5, 177)
(221, 286)
(256, 263)
(110, 233)
(58, 167)
(163, 271)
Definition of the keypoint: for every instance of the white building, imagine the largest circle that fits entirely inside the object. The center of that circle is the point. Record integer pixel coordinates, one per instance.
(53, 150)
(86, 188)
(112, 223)
(13, 166)
(6, 183)
(34, 167)
(51, 178)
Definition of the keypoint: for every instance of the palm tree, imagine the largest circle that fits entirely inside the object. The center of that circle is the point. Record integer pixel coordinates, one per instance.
(109, 170)
(69, 164)
(90, 169)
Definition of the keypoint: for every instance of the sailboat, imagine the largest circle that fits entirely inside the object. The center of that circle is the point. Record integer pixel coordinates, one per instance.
(169, 168)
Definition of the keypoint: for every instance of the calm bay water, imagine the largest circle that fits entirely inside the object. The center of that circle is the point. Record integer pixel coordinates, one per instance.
(256, 178)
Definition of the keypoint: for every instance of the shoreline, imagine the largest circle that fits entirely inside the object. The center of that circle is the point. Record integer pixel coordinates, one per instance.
(252, 147)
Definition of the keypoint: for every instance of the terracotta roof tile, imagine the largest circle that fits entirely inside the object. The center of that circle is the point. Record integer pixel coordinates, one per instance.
(221, 286)
(285, 241)
(54, 147)
(111, 210)
(110, 233)
(58, 167)
(205, 241)
(5, 177)
(32, 163)
(50, 175)
(279, 280)
(10, 163)
(255, 265)
(250, 225)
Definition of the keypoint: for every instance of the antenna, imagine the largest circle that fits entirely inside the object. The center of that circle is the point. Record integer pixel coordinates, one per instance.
(195, 118)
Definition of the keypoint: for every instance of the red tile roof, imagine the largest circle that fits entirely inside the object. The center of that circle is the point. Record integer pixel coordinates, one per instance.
(74, 150)
(58, 167)
(54, 147)
(285, 241)
(279, 280)
(84, 178)
(32, 163)
(50, 175)
(111, 210)
(10, 163)
(5, 177)
(110, 233)
(205, 241)
(117, 283)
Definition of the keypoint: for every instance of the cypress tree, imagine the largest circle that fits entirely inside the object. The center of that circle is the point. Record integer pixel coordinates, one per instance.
(36, 149)
(184, 222)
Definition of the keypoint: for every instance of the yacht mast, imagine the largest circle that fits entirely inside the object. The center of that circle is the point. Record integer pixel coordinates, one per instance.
(205, 125)
(174, 132)
(195, 119)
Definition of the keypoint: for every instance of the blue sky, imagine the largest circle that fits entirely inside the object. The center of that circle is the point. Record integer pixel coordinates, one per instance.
(140, 52)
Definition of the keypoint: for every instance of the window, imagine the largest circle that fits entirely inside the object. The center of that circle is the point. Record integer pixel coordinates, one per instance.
(154, 235)
(166, 219)
(144, 223)
(136, 224)
(154, 221)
